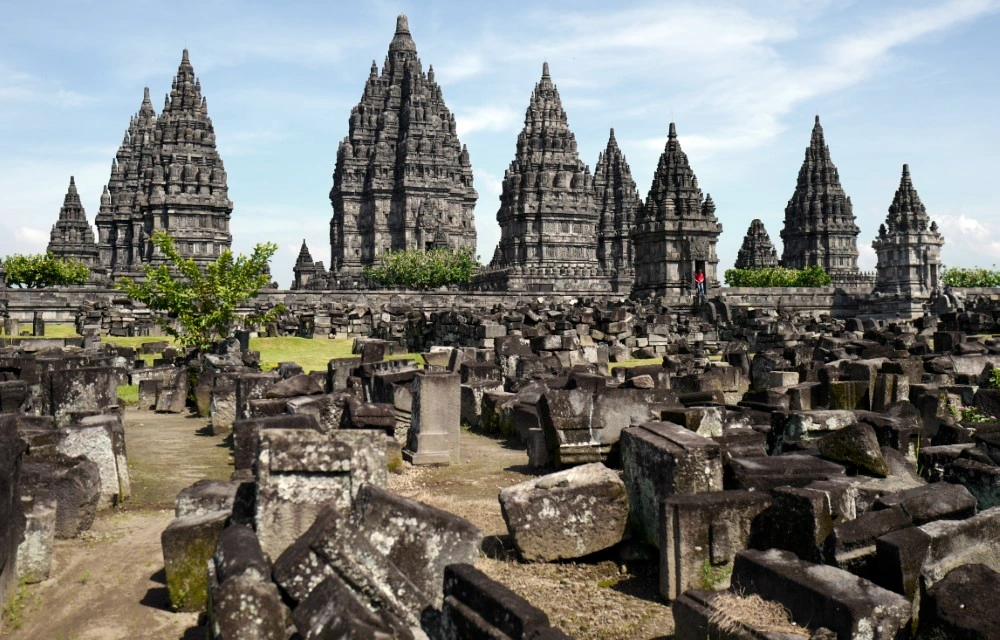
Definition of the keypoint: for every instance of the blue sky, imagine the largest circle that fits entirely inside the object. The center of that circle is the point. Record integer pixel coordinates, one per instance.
(912, 81)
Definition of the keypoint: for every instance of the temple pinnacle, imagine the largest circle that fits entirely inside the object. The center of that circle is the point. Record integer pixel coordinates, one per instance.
(673, 131)
(402, 24)
(906, 170)
(545, 69)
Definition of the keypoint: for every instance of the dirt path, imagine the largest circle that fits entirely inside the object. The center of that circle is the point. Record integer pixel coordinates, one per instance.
(599, 599)
(108, 584)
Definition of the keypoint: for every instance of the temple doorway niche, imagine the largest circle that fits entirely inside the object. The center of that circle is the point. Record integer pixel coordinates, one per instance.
(699, 265)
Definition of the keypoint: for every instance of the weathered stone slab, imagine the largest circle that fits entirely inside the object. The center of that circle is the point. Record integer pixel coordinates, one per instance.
(962, 605)
(662, 459)
(769, 472)
(205, 496)
(567, 514)
(75, 483)
(188, 543)
(101, 439)
(435, 426)
(34, 554)
(477, 607)
(939, 501)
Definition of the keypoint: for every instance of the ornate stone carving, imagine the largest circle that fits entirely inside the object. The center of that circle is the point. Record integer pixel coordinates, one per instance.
(403, 179)
(617, 202)
(819, 221)
(757, 251)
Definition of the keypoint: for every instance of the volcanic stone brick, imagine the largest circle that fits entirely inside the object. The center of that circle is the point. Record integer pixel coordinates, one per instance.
(327, 409)
(768, 472)
(939, 501)
(246, 435)
(251, 386)
(81, 389)
(299, 471)
(567, 514)
(188, 543)
(222, 407)
(205, 496)
(704, 531)
(822, 596)
(912, 560)
(662, 459)
(851, 545)
(477, 607)
(11, 512)
(472, 400)
(982, 480)
(338, 371)
(333, 610)
(34, 554)
(75, 483)
(243, 602)
(962, 605)
(855, 445)
(101, 439)
(299, 385)
(435, 424)
(174, 392)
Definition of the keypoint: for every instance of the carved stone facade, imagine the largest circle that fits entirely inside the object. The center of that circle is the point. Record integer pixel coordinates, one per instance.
(166, 176)
(757, 251)
(908, 246)
(119, 221)
(403, 179)
(676, 231)
(548, 215)
(617, 202)
(308, 274)
(820, 227)
(72, 237)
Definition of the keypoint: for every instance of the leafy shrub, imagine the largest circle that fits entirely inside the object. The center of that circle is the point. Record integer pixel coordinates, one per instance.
(43, 270)
(415, 269)
(970, 277)
(812, 276)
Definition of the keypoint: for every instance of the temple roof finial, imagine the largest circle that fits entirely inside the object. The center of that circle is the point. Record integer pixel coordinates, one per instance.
(402, 24)
(184, 57)
(673, 131)
(545, 69)
(906, 170)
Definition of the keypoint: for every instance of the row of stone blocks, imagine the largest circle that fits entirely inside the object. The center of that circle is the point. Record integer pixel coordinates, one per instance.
(351, 560)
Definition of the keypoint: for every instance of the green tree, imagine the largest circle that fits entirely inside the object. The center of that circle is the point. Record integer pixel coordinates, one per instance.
(42, 270)
(811, 276)
(970, 277)
(416, 269)
(202, 302)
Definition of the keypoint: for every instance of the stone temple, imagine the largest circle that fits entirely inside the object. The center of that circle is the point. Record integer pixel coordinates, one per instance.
(617, 201)
(820, 227)
(166, 176)
(676, 231)
(757, 251)
(548, 215)
(908, 246)
(403, 179)
(307, 273)
(72, 237)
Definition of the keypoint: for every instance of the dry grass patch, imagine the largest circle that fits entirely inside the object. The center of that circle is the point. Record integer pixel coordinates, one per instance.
(733, 610)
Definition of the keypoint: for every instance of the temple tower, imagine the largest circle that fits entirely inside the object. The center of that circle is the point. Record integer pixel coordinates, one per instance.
(908, 246)
(757, 251)
(403, 179)
(548, 216)
(617, 203)
(183, 189)
(72, 236)
(119, 203)
(307, 274)
(676, 231)
(820, 227)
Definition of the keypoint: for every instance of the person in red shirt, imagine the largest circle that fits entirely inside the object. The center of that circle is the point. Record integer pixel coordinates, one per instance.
(699, 282)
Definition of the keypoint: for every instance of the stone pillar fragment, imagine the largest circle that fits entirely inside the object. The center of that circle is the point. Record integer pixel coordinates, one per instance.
(435, 422)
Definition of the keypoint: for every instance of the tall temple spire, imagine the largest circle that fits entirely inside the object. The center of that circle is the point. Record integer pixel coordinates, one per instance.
(548, 217)
(908, 246)
(72, 236)
(402, 179)
(819, 225)
(166, 175)
(676, 230)
(617, 203)
(306, 273)
(757, 251)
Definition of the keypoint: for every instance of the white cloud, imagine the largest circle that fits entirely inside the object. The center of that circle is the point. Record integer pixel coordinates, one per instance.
(486, 118)
(459, 68)
(31, 240)
(18, 87)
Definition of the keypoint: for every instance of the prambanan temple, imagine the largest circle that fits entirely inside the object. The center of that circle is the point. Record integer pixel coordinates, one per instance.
(403, 180)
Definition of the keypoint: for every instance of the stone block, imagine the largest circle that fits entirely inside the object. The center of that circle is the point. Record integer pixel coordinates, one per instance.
(767, 473)
(567, 514)
(205, 496)
(299, 471)
(855, 445)
(498, 413)
(662, 459)
(246, 434)
(172, 397)
(472, 400)
(852, 547)
(982, 480)
(823, 596)
(74, 483)
(188, 543)
(781, 379)
(705, 421)
(849, 394)
(294, 386)
(339, 370)
(34, 554)
(222, 404)
(435, 423)
(101, 439)
(700, 535)
(961, 605)
(939, 501)
(477, 607)
(333, 610)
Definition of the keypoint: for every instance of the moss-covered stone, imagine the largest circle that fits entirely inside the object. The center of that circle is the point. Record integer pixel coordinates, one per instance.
(856, 445)
(188, 543)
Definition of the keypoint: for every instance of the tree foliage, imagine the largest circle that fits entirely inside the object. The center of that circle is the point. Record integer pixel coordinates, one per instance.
(415, 269)
(811, 276)
(42, 270)
(970, 277)
(202, 302)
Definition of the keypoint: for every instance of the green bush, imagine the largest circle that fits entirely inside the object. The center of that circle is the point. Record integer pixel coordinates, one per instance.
(970, 277)
(812, 276)
(415, 269)
(43, 270)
